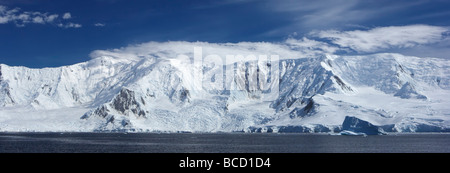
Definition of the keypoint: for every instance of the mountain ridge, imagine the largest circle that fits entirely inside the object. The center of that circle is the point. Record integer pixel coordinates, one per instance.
(151, 94)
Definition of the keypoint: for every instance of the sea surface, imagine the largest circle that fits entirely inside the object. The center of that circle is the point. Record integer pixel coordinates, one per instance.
(220, 143)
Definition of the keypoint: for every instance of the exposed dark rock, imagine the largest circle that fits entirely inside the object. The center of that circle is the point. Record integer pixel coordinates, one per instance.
(342, 84)
(142, 100)
(401, 68)
(184, 95)
(126, 101)
(180, 95)
(8, 95)
(75, 95)
(102, 111)
(125, 123)
(329, 63)
(110, 120)
(1, 76)
(309, 106)
(303, 112)
(290, 102)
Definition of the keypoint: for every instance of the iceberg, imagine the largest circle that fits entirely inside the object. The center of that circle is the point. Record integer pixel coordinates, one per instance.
(356, 126)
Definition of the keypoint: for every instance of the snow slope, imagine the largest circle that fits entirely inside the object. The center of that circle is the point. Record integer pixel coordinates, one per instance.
(159, 93)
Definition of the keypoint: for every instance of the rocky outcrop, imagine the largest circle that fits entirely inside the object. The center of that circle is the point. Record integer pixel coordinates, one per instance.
(126, 103)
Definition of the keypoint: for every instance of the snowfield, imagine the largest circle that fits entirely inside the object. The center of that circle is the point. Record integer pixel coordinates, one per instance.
(158, 92)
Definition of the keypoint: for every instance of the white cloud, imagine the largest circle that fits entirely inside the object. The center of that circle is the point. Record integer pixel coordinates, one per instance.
(38, 19)
(311, 46)
(51, 18)
(2, 8)
(74, 25)
(3, 20)
(99, 24)
(382, 38)
(171, 49)
(306, 15)
(67, 16)
(22, 18)
(69, 25)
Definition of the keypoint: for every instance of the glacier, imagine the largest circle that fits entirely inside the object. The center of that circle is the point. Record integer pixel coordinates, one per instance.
(158, 92)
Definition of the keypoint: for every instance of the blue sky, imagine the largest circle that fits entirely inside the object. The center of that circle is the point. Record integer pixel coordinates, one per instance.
(50, 33)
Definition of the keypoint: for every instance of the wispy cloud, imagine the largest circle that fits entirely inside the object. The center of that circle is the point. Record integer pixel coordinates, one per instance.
(215, 4)
(52, 18)
(67, 16)
(311, 47)
(414, 40)
(315, 13)
(22, 18)
(172, 49)
(305, 15)
(99, 24)
(382, 38)
(439, 50)
(69, 25)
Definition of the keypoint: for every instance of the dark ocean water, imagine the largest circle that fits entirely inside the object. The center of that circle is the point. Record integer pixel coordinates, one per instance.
(220, 143)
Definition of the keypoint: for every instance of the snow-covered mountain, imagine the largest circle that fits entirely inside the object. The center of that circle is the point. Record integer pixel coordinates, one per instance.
(394, 92)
